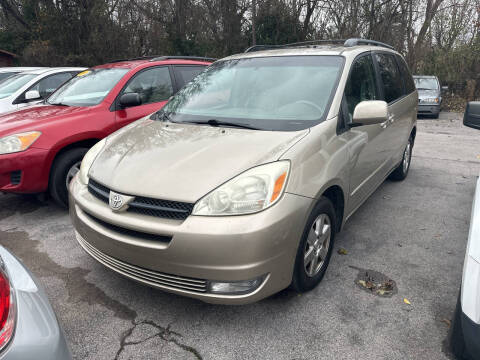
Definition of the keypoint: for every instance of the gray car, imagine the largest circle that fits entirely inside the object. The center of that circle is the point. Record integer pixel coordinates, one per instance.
(429, 95)
(28, 326)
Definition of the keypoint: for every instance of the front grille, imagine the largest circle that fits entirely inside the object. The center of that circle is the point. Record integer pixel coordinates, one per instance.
(129, 232)
(150, 277)
(15, 177)
(146, 206)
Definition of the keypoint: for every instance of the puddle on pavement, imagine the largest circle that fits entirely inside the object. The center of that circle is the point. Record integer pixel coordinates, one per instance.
(375, 282)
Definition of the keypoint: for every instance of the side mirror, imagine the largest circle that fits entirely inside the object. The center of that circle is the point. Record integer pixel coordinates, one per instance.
(472, 115)
(370, 112)
(32, 95)
(130, 99)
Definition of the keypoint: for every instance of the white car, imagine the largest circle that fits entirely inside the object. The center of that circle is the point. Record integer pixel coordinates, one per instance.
(6, 72)
(465, 338)
(31, 87)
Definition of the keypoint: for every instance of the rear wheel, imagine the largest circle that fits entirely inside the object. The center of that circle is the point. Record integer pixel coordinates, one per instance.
(315, 248)
(401, 172)
(64, 168)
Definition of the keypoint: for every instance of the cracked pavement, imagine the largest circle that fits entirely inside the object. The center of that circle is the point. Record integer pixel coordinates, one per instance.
(414, 232)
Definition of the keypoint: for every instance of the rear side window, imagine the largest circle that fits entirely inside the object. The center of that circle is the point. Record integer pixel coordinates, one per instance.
(183, 74)
(391, 78)
(153, 85)
(361, 85)
(406, 75)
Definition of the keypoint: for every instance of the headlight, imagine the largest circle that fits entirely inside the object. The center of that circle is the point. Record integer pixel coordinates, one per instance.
(18, 142)
(88, 160)
(430, 100)
(252, 191)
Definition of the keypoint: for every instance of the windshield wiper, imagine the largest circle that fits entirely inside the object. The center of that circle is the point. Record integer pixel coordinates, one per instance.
(215, 122)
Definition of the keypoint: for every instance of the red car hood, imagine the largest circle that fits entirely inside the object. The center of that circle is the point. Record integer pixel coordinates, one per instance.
(32, 118)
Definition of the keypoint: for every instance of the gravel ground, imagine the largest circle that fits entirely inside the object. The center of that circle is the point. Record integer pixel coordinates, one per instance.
(414, 232)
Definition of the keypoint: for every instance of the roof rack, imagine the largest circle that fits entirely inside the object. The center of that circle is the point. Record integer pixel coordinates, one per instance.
(357, 41)
(347, 43)
(197, 58)
(165, 57)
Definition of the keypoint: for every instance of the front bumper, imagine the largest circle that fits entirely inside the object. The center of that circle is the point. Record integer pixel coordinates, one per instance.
(201, 249)
(24, 172)
(37, 332)
(429, 109)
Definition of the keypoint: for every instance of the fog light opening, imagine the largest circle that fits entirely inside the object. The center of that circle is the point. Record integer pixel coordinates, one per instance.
(235, 287)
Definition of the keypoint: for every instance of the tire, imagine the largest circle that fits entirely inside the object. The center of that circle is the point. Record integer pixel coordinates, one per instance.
(457, 341)
(401, 172)
(306, 276)
(61, 169)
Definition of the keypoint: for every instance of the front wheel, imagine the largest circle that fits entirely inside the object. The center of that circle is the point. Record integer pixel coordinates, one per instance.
(401, 172)
(64, 168)
(315, 248)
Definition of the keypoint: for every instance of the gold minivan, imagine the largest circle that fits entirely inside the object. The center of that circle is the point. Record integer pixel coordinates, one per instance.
(236, 188)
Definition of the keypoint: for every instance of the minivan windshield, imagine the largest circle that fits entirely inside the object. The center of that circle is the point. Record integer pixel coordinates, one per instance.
(88, 88)
(13, 83)
(282, 93)
(426, 83)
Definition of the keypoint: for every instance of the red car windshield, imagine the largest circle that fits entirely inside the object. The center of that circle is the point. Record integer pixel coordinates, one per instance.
(88, 88)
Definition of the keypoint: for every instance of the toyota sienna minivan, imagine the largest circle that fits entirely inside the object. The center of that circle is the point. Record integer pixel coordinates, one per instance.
(236, 189)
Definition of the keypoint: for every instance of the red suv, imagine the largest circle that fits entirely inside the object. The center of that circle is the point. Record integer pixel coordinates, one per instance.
(41, 147)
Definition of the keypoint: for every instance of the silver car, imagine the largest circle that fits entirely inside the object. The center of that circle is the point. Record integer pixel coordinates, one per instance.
(28, 326)
(429, 95)
(236, 188)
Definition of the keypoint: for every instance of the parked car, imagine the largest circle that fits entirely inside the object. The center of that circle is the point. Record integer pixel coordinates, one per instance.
(28, 326)
(429, 95)
(41, 147)
(31, 87)
(6, 72)
(236, 188)
(465, 334)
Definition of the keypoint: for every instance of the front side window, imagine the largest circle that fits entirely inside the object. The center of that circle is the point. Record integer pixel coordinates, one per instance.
(14, 83)
(390, 75)
(271, 93)
(88, 88)
(425, 83)
(153, 85)
(48, 85)
(361, 85)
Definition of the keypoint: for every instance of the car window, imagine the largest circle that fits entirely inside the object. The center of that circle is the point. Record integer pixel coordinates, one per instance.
(390, 75)
(282, 93)
(184, 74)
(153, 85)
(14, 83)
(426, 83)
(5, 75)
(406, 75)
(48, 85)
(88, 88)
(361, 84)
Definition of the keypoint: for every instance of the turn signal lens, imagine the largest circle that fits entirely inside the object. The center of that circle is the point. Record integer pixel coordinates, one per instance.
(277, 189)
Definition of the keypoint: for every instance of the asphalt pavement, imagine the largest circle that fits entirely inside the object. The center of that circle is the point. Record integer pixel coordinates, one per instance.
(413, 232)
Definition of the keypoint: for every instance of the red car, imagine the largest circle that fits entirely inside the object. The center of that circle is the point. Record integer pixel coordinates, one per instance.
(41, 147)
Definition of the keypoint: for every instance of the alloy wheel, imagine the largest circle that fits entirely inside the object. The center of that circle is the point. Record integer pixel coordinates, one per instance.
(317, 245)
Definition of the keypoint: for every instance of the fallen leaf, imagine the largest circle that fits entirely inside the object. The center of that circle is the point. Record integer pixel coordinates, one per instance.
(446, 321)
(405, 300)
(342, 251)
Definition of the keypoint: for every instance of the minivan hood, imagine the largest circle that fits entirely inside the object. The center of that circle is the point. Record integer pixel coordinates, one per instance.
(184, 162)
(32, 117)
